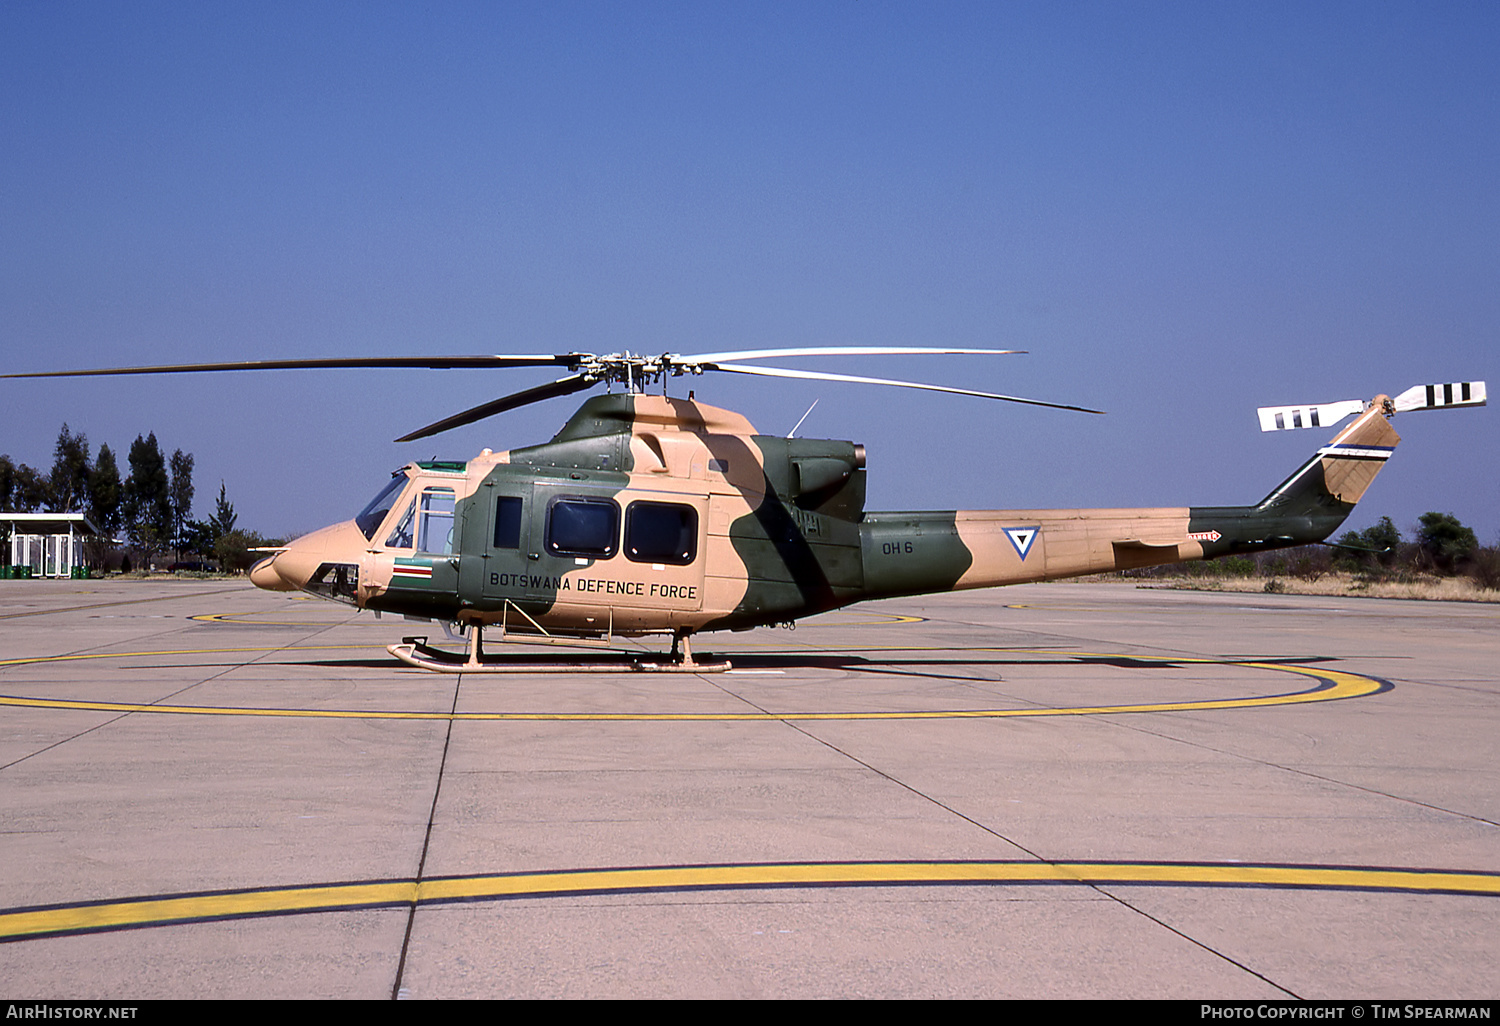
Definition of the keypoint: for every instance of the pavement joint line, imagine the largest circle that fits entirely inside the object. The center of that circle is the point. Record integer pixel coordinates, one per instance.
(1314, 776)
(105, 723)
(1101, 889)
(1332, 685)
(25, 923)
(437, 791)
(121, 602)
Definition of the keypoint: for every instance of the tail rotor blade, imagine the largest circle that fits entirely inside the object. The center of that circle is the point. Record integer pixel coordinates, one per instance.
(1419, 397)
(1437, 397)
(1286, 418)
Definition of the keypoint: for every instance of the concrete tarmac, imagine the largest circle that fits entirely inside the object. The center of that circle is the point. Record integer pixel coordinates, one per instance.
(1058, 790)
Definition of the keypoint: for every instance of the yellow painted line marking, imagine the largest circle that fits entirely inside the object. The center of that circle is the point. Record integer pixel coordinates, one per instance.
(1051, 608)
(236, 618)
(1332, 685)
(16, 924)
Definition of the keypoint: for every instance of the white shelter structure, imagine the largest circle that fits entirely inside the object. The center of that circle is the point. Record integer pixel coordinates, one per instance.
(50, 543)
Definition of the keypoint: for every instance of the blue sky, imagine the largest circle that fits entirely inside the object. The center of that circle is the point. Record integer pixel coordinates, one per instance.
(1183, 211)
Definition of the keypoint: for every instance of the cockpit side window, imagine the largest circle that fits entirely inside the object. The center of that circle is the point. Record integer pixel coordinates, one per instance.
(373, 515)
(401, 537)
(435, 530)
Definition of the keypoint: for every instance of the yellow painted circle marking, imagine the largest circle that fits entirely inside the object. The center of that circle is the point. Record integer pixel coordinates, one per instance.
(133, 913)
(890, 620)
(1332, 685)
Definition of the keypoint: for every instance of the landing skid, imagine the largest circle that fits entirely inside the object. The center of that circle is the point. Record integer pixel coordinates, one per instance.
(416, 652)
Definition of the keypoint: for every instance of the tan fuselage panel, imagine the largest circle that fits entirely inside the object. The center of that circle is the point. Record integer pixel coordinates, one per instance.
(1067, 543)
(1368, 441)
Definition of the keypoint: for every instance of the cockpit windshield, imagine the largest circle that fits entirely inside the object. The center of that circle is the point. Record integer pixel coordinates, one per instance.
(371, 516)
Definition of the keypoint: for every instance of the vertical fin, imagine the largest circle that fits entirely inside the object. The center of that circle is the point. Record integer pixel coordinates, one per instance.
(1340, 472)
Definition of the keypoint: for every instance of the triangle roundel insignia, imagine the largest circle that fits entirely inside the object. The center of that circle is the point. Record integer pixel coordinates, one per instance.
(1022, 538)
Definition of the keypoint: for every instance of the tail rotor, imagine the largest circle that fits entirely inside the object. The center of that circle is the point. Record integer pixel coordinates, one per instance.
(1418, 397)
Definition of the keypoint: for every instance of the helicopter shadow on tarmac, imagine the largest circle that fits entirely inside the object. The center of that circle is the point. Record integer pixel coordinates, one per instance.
(905, 664)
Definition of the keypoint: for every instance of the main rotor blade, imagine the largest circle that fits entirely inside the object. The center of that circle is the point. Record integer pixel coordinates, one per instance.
(762, 354)
(781, 372)
(562, 386)
(417, 362)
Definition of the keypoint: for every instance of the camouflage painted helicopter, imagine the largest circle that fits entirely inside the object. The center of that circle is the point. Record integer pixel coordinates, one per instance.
(649, 515)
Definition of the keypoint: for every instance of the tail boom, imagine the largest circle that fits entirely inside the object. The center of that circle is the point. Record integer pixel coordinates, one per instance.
(914, 553)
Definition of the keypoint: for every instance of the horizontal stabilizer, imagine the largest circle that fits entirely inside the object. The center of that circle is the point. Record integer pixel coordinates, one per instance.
(1284, 418)
(1435, 397)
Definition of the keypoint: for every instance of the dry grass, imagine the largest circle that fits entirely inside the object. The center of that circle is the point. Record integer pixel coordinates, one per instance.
(1438, 589)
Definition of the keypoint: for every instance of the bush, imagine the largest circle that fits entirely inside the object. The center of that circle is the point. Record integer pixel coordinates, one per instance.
(1309, 562)
(1445, 541)
(1484, 568)
(1237, 566)
(1383, 538)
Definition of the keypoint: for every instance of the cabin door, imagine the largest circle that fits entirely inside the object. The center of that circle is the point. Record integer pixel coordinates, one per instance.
(499, 561)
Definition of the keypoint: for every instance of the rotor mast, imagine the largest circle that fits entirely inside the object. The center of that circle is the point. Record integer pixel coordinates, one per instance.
(635, 371)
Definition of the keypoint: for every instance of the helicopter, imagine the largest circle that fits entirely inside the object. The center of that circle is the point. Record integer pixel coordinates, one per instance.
(652, 515)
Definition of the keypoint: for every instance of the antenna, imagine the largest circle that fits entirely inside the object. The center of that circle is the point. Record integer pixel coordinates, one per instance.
(793, 432)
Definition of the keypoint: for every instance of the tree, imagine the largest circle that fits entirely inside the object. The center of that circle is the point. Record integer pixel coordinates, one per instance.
(22, 489)
(199, 538)
(224, 516)
(104, 506)
(148, 503)
(70, 472)
(7, 484)
(181, 496)
(105, 492)
(232, 550)
(206, 535)
(1383, 538)
(7, 488)
(1384, 535)
(30, 490)
(1444, 540)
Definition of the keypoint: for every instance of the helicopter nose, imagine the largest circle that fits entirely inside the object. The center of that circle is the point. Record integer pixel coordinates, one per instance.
(263, 575)
(295, 566)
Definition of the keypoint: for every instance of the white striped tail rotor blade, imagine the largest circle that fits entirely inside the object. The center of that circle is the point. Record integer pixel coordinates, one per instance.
(782, 372)
(1286, 418)
(1437, 397)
